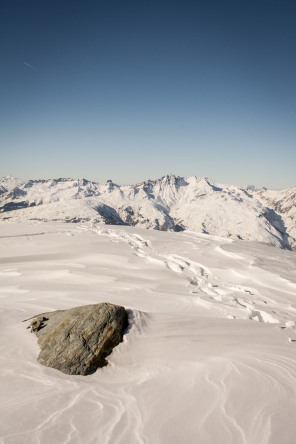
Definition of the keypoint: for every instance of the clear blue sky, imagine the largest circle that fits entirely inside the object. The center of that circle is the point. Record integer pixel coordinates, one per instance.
(131, 90)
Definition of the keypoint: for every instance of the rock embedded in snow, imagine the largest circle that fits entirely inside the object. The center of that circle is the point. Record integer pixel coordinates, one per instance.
(77, 341)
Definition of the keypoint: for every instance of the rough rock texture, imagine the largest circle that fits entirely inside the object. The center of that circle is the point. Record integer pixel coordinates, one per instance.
(77, 341)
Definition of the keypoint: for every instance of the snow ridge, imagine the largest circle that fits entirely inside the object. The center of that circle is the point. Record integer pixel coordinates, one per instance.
(170, 203)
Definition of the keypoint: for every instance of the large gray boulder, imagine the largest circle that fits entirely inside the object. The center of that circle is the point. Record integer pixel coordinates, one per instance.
(77, 341)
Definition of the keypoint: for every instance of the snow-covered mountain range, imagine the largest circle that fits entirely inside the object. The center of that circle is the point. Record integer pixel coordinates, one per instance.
(170, 203)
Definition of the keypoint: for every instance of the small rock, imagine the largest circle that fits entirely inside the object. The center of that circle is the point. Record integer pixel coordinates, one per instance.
(37, 324)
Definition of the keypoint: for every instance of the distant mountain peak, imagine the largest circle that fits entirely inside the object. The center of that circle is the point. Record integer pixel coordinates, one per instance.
(10, 182)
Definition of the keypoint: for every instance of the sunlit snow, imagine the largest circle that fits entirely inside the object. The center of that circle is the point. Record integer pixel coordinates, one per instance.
(209, 356)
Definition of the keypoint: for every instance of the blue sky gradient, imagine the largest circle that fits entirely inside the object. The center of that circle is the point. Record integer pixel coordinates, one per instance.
(131, 90)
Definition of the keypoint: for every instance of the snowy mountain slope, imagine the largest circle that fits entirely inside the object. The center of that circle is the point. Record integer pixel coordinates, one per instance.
(283, 203)
(170, 203)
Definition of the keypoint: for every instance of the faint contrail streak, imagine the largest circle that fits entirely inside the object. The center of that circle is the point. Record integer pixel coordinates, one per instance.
(30, 66)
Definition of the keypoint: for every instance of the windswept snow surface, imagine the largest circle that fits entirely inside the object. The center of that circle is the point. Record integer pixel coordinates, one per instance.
(209, 356)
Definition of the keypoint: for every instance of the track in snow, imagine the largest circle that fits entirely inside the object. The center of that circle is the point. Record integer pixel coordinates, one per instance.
(234, 301)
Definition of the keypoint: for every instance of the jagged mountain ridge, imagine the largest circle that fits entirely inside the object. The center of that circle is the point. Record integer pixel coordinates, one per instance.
(169, 203)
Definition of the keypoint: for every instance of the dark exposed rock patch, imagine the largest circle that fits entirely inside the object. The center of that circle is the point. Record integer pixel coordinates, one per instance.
(12, 206)
(109, 215)
(77, 341)
(3, 190)
(16, 193)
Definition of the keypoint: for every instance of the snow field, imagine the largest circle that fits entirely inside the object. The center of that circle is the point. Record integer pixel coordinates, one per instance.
(208, 357)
